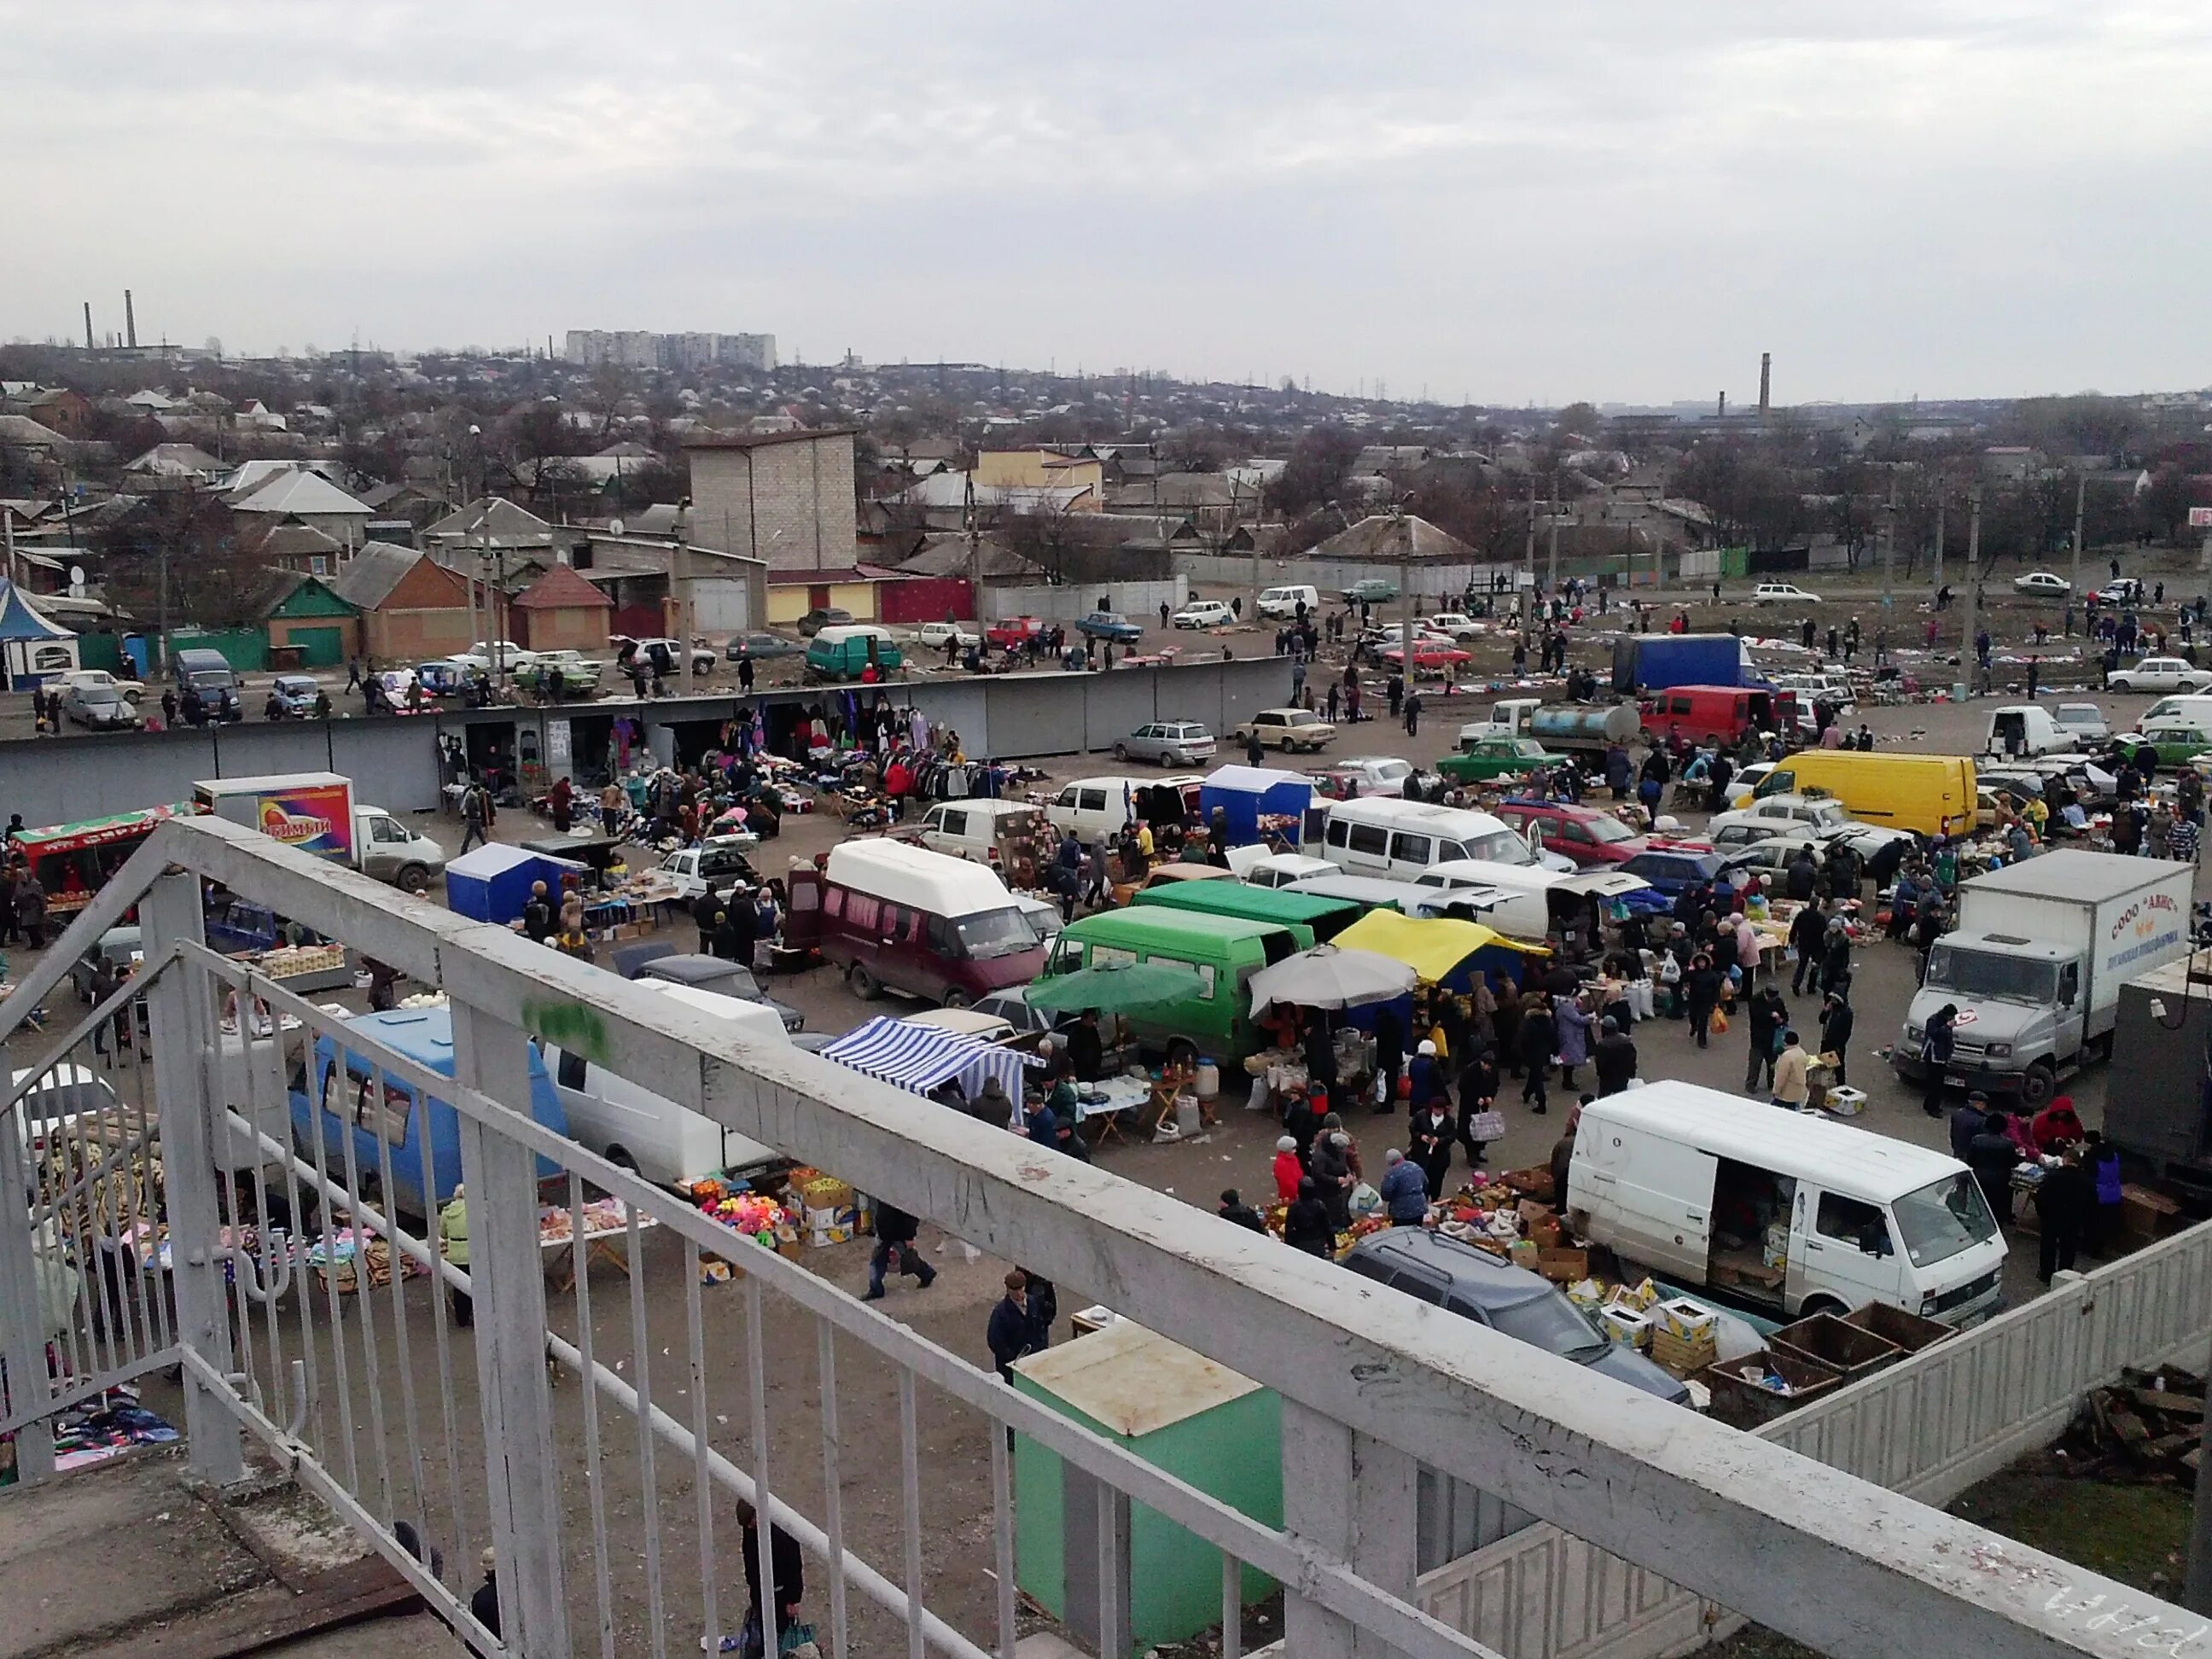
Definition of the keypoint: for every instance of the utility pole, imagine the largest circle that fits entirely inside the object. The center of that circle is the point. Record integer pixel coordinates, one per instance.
(1552, 576)
(1943, 505)
(2081, 499)
(1405, 529)
(8, 529)
(1528, 586)
(1889, 573)
(1968, 658)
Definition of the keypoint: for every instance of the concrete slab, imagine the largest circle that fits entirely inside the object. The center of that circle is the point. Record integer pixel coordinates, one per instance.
(418, 1636)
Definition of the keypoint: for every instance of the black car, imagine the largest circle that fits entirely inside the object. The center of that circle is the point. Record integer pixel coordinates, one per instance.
(724, 978)
(761, 647)
(1475, 1284)
(821, 616)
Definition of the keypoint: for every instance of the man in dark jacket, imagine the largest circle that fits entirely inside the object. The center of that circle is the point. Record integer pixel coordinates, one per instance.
(895, 1235)
(1991, 1155)
(704, 910)
(786, 1571)
(1614, 1057)
(1802, 877)
(1235, 1211)
(1807, 929)
(2063, 1205)
(1936, 1048)
(1305, 1223)
(1836, 1022)
(1967, 1123)
(1762, 1023)
(537, 915)
(1011, 1332)
(1562, 1155)
(1540, 1041)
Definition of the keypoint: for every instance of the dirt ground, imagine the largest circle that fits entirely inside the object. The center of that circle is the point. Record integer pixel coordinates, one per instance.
(952, 1449)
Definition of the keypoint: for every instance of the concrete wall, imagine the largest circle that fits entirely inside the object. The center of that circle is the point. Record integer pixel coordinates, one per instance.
(394, 760)
(789, 503)
(1333, 576)
(1139, 601)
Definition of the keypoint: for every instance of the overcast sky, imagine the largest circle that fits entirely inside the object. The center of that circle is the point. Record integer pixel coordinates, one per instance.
(1617, 201)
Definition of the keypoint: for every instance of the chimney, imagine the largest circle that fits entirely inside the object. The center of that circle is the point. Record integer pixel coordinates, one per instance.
(1723, 413)
(130, 322)
(1765, 370)
(87, 326)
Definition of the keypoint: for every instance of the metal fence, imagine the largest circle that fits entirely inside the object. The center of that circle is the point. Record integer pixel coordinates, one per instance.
(1930, 1426)
(598, 1436)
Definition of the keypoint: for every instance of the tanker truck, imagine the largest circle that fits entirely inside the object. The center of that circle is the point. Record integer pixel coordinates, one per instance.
(1559, 726)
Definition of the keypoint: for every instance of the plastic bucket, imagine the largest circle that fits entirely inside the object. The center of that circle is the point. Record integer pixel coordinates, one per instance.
(1209, 1078)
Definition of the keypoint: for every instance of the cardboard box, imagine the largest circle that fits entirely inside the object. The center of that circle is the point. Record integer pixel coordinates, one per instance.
(1562, 1267)
(2147, 1214)
(1687, 1320)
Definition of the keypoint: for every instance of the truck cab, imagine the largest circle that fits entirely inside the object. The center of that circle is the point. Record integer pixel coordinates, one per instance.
(392, 852)
(2020, 1012)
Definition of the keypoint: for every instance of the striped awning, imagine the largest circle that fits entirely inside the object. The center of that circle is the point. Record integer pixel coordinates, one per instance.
(920, 1057)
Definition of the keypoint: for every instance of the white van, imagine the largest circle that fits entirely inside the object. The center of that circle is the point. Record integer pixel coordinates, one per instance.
(2021, 730)
(1382, 836)
(1785, 1212)
(1282, 603)
(669, 1144)
(2182, 708)
(1093, 807)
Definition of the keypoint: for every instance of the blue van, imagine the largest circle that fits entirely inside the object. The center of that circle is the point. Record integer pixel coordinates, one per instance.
(372, 1102)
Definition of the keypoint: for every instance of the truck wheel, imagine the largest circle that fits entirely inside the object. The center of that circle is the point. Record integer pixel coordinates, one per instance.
(413, 879)
(1182, 1051)
(1822, 1304)
(2039, 1085)
(864, 984)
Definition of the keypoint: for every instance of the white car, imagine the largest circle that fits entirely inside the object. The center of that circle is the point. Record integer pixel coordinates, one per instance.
(1782, 593)
(2042, 581)
(2084, 720)
(100, 679)
(1784, 814)
(512, 656)
(1287, 729)
(2160, 674)
(1459, 625)
(1376, 774)
(933, 636)
(1203, 613)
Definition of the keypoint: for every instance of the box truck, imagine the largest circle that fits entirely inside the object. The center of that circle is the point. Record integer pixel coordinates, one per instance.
(1657, 662)
(315, 812)
(2036, 964)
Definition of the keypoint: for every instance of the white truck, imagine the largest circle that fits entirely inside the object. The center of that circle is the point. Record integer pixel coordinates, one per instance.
(316, 813)
(2035, 966)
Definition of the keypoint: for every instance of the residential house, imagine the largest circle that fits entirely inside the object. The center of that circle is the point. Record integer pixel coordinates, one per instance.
(299, 496)
(55, 407)
(490, 522)
(562, 611)
(255, 413)
(1021, 470)
(412, 607)
(301, 613)
(992, 561)
(295, 547)
(172, 464)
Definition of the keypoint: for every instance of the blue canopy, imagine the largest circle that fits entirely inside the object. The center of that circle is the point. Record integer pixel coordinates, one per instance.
(493, 883)
(920, 1057)
(19, 621)
(1245, 794)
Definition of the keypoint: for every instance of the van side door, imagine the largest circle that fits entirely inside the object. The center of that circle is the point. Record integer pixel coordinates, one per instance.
(1649, 1198)
(1843, 1248)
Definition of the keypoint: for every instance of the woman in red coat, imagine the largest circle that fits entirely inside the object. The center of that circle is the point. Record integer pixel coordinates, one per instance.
(1288, 1169)
(2055, 1125)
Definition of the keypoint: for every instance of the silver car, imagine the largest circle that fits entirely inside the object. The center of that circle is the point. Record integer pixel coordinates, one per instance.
(1167, 743)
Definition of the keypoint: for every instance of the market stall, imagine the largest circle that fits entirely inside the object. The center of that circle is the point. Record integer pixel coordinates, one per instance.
(1442, 951)
(73, 861)
(1256, 802)
(492, 884)
(920, 1058)
(606, 1220)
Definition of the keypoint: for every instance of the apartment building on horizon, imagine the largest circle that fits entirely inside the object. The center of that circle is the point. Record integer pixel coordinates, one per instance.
(639, 347)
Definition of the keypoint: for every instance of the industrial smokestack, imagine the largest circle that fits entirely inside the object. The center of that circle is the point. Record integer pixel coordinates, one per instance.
(130, 322)
(1723, 411)
(1765, 371)
(88, 324)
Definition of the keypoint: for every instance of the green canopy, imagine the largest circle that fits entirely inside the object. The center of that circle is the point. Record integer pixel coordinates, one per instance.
(1116, 987)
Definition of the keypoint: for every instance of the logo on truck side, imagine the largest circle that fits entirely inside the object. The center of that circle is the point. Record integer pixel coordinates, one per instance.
(278, 824)
(2143, 914)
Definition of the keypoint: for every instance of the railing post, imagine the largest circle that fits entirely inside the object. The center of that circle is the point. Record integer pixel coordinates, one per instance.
(1355, 1498)
(181, 1010)
(508, 1274)
(23, 1312)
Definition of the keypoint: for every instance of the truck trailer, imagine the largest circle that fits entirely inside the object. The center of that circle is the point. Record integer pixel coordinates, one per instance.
(1558, 726)
(1658, 662)
(2036, 964)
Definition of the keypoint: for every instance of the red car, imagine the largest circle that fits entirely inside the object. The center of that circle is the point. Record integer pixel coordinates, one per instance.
(1014, 633)
(1594, 839)
(1427, 655)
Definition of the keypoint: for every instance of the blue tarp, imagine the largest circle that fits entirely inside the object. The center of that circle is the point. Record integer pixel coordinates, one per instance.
(492, 884)
(1244, 793)
(19, 621)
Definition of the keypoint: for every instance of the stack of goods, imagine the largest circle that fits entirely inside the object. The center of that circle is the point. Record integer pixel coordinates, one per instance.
(754, 1215)
(602, 1216)
(1510, 1214)
(343, 1255)
(2149, 1426)
(828, 1210)
(1685, 1336)
(296, 961)
(100, 1428)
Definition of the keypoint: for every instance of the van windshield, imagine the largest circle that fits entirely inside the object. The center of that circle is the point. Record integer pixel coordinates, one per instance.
(1500, 846)
(995, 933)
(1943, 1218)
(1998, 978)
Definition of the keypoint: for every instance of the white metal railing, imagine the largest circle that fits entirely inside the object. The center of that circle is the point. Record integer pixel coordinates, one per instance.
(601, 1502)
(1930, 1426)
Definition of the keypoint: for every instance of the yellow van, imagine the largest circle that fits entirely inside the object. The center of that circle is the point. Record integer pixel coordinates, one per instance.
(1932, 795)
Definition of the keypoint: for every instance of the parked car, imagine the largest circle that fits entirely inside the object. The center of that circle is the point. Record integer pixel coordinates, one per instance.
(1497, 757)
(1013, 633)
(724, 978)
(1012, 1006)
(1107, 626)
(2121, 590)
(1452, 1274)
(1370, 590)
(1813, 815)
(932, 635)
(133, 690)
(296, 695)
(1366, 774)
(2042, 583)
(99, 707)
(1671, 869)
(562, 673)
(761, 647)
(2160, 674)
(1204, 613)
(1430, 654)
(821, 616)
(1782, 593)
(720, 864)
(2084, 720)
(1167, 743)
(1772, 856)
(1592, 838)
(496, 654)
(123, 947)
(665, 653)
(1287, 729)
(1458, 625)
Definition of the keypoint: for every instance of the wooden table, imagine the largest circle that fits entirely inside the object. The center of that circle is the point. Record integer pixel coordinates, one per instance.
(598, 1243)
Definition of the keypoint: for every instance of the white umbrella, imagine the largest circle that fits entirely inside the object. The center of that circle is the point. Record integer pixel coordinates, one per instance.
(1327, 977)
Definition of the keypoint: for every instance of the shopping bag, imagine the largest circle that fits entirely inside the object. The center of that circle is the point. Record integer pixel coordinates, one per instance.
(1718, 1023)
(1487, 1126)
(1363, 1201)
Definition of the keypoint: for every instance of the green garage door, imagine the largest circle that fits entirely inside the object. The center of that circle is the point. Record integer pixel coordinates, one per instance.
(319, 647)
